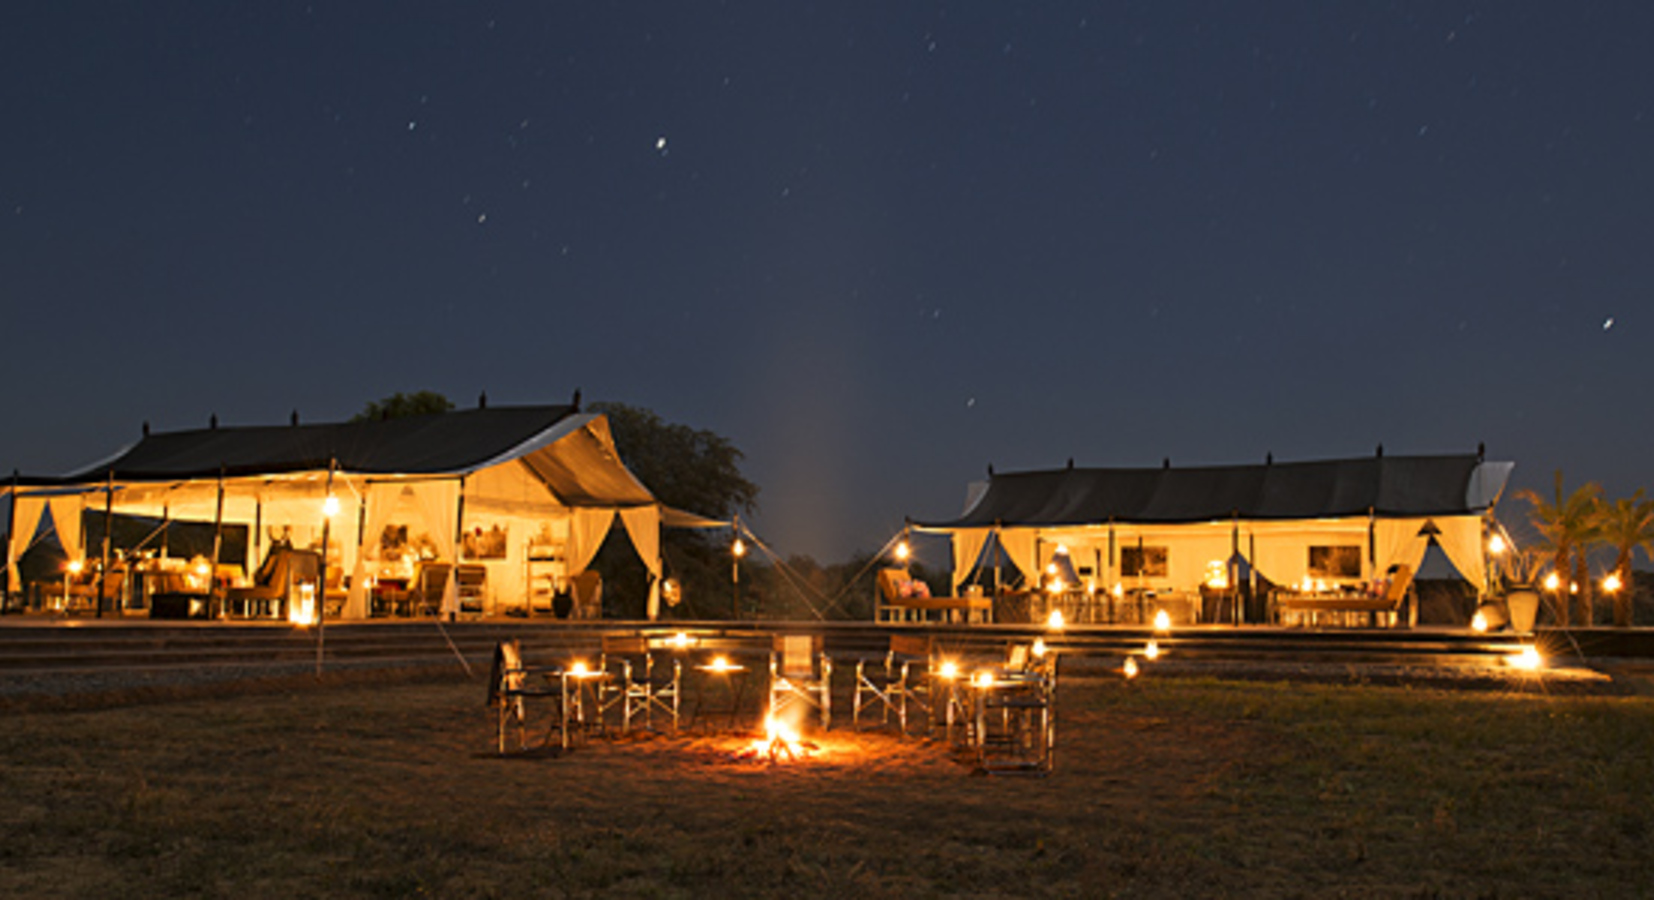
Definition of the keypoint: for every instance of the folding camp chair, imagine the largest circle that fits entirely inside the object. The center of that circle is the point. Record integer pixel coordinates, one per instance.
(894, 680)
(1014, 729)
(511, 683)
(635, 684)
(800, 673)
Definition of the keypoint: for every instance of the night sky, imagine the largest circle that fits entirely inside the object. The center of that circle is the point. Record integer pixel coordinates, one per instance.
(878, 245)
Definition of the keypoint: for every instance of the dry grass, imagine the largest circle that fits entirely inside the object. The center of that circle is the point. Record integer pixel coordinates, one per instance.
(1164, 789)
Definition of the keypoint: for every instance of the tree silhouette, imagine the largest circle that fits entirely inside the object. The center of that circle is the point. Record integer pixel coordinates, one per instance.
(1569, 525)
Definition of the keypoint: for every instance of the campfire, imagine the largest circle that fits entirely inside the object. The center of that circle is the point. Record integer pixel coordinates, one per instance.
(780, 743)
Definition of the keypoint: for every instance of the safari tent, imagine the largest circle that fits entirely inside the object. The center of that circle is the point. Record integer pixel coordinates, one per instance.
(525, 495)
(1174, 529)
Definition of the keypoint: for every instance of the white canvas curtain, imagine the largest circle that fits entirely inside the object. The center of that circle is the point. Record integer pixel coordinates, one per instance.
(1398, 541)
(1018, 544)
(66, 519)
(587, 529)
(24, 520)
(643, 524)
(967, 549)
(1461, 540)
(438, 506)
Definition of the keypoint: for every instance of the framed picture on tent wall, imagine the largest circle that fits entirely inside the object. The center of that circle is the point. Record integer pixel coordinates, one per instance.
(1338, 561)
(482, 543)
(1143, 562)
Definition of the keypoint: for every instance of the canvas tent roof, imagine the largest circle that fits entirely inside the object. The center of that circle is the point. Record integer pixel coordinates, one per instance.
(429, 444)
(571, 452)
(1381, 485)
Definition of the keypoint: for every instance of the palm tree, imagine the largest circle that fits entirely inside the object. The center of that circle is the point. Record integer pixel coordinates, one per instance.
(1625, 525)
(1568, 525)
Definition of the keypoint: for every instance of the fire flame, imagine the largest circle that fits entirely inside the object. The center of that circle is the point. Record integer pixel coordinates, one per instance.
(780, 741)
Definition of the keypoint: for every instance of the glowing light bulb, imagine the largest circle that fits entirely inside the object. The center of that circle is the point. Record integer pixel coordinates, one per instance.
(1527, 660)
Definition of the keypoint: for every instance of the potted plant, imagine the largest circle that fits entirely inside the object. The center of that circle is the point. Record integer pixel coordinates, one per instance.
(1521, 589)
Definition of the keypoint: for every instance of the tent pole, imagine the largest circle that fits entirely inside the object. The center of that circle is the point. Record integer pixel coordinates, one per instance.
(994, 536)
(254, 560)
(213, 599)
(1109, 576)
(321, 586)
(1251, 569)
(459, 550)
(12, 572)
(1233, 570)
(108, 529)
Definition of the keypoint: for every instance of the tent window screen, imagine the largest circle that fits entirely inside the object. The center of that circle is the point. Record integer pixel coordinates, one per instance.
(1143, 562)
(1335, 562)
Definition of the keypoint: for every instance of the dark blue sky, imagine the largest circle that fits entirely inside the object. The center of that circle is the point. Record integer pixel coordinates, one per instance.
(878, 245)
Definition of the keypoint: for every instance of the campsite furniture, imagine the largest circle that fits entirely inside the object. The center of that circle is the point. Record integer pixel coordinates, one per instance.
(390, 597)
(84, 594)
(1182, 607)
(800, 673)
(638, 684)
(587, 590)
(1014, 726)
(894, 680)
(898, 602)
(1317, 607)
(279, 579)
(1015, 607)
(732, 676)
(335, 591)
(583, 688)
(471, 581)
(180, 603)
(430, 583)
(512, 683)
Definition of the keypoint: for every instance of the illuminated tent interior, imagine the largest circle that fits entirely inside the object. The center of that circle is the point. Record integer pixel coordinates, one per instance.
(527, 492)
(1341, 521)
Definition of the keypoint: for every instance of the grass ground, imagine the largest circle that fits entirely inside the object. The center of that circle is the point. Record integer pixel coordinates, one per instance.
(1170, 788)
